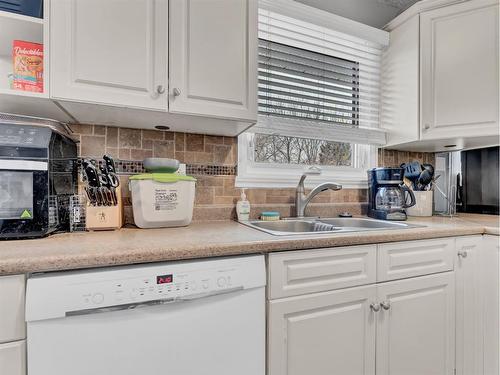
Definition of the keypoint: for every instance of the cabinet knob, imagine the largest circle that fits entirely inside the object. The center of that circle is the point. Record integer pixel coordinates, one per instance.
(176, 91)
(462, 254)
(427, 127)
(375, 307)
(386, 305)
(160, 89)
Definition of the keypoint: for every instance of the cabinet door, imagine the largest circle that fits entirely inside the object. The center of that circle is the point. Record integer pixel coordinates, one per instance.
(469, 306)
(490, 253)
(13, 358)
(459, 70)
(213, 58)
(399, 105)
(110, 52)
(12, 297)
(415, 330)
(323, 333)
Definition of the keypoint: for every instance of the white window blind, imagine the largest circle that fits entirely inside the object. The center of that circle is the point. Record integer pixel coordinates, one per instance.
(316, 81)
(306, 85)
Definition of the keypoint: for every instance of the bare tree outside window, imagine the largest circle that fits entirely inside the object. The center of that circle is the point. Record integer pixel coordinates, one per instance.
(293, 150)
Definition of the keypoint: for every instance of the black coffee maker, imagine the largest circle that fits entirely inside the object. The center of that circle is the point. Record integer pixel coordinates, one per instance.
(387, 194)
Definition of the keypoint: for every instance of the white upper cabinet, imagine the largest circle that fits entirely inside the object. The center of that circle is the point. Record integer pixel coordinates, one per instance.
(199, 62)
(400, 91)
(110, 52)
(213, 58)
(459, 67)
(440, 81)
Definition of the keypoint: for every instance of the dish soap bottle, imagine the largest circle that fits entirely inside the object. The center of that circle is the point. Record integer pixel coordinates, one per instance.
(243, 207)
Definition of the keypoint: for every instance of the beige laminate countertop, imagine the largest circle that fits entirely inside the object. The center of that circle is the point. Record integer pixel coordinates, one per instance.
(207, 239)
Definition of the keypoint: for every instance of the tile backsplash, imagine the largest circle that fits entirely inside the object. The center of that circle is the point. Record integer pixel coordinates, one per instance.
(213, 161)
(394, 158)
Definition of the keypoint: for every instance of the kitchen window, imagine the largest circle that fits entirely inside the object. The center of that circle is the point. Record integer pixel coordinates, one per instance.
(318, 99)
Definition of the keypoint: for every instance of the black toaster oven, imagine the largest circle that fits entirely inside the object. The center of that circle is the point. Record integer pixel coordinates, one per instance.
(38, 174)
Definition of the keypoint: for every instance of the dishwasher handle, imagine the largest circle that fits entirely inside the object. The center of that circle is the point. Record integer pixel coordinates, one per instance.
(156, 302)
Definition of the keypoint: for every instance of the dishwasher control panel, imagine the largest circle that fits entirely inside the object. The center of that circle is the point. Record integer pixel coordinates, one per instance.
(61, 294)
(164, 285)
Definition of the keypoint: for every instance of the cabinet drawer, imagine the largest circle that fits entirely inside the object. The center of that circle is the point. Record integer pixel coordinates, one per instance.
(414, 258)
(13, 358)
(308, 271)
(12, 325)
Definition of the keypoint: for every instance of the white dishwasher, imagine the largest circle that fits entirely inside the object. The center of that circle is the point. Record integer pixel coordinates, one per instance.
(180, 318)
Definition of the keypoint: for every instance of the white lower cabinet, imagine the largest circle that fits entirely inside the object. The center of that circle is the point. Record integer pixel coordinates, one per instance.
(12, 325)
(12, 296)
(469, 302)
(477, 267)
(323, 333)
(334, 332)
(416, 326)
(13, 358)
(490, 284)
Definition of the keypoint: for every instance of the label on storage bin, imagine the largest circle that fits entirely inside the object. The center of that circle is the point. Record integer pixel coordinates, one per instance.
(165, 199)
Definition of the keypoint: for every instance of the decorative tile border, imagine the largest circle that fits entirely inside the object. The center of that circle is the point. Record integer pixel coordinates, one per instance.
(126, 167)
(211, 170)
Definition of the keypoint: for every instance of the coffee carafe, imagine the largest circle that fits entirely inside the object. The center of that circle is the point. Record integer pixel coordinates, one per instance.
(388, 196)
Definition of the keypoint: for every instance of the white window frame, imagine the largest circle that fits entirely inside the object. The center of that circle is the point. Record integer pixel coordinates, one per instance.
(277, 175)
(274, 175)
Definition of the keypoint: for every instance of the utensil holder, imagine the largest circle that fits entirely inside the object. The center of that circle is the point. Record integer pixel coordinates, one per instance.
(423, 207)
(105, 217)
(77, 207)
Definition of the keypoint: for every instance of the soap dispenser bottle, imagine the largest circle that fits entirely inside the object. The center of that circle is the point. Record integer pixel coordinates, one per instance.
(243, 207)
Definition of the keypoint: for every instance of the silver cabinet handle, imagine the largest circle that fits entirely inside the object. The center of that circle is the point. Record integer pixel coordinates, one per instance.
(160, 89)
(375, 307)
(462, 254)
(427, 126)
(176, 91)
(386, 305)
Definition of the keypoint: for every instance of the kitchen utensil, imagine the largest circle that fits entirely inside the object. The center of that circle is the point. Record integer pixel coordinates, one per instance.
(113, 179)
(428, 167)
(92, 179)
(110, 163)
(106, 187)
(412, 172)
(424, 180)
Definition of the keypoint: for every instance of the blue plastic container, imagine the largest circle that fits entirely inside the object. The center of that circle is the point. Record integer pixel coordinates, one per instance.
(33, 8)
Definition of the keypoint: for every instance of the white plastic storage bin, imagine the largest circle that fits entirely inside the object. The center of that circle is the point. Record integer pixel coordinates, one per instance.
(162, 199)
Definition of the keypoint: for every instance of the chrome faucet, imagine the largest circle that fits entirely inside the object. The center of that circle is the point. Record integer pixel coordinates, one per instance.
(302, 200)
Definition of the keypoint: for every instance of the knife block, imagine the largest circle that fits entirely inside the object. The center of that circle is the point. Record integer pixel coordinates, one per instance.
(105, 217)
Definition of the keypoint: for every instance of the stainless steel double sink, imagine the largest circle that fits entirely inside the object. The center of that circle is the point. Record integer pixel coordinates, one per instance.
(313, 226)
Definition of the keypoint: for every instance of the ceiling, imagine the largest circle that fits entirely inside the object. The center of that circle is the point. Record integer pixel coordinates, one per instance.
(375, 13)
